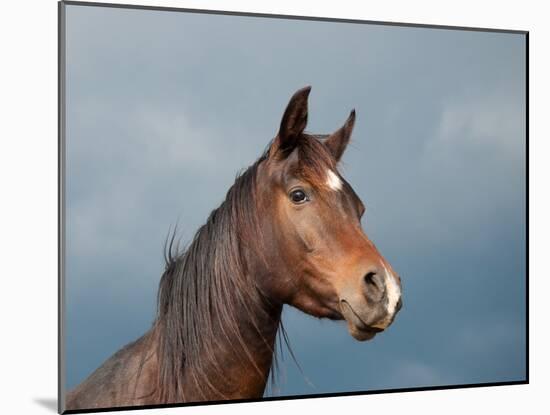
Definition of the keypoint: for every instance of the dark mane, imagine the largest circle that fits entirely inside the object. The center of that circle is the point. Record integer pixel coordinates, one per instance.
(210, 278)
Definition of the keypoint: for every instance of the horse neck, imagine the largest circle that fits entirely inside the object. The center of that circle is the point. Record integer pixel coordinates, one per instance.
(217, 329)
(246, 366)
(235, 358)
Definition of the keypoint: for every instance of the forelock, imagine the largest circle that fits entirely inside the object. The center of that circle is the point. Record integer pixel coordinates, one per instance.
(314, 160)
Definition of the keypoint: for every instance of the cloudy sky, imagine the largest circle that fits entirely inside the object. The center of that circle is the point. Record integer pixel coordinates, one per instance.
(163, 110)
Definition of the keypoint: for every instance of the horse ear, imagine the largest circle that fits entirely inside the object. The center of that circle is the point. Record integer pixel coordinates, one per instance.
(338, 141)
(293, 123)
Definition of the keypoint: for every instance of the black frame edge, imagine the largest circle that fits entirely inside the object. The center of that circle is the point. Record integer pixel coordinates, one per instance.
(527, 206)
(294, 397)
(288, 17)
(61, 26)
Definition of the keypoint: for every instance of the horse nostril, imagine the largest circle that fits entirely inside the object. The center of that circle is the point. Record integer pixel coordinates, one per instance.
(374, 285)
(399, 305)
(369, 278)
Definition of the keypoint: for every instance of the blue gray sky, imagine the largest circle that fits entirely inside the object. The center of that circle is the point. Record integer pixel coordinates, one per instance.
(164, 109)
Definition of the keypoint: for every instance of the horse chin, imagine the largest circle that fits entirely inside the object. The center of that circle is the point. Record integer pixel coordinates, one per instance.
(361, 334)
(356, 327)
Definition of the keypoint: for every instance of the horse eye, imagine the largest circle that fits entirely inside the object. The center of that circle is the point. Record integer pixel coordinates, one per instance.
(298, 196)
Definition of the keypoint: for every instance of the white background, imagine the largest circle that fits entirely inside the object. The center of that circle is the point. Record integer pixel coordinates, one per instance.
(28, 219)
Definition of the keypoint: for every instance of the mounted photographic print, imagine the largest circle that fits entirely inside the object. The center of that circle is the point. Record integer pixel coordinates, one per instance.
(258, 207)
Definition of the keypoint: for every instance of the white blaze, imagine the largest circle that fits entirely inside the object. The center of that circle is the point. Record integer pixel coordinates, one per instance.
(394, 294)
(393, 291)
(333, 181)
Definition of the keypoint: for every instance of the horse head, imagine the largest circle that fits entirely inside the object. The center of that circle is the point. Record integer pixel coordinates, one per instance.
(318, 257)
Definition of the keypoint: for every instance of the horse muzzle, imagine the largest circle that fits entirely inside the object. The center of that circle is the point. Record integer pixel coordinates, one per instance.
(373, 307)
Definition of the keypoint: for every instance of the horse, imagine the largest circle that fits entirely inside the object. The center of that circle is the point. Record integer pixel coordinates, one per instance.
(288, 232)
